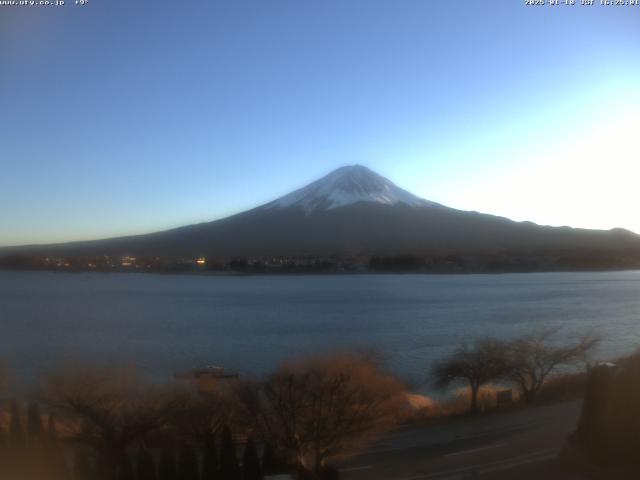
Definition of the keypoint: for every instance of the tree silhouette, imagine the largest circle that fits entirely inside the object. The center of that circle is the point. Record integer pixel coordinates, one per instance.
(272, 464)
(3, 440)
(167, 469)
(146, 469)
(210, 460)
(53, 453)
(484, 362)
(187, 463)
(323, 406)
(229, 468)
(106, 465)
(16, 432)
(532, 358)
(52, 434)
(35, 426)
(112, 409)
(250, 462)
(81, 465)
(125, 469)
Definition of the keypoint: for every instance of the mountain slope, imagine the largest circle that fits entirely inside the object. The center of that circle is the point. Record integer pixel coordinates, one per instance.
(352, 211)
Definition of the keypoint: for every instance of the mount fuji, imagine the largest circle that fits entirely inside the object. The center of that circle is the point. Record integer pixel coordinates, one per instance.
(352, 211)
(347, 186)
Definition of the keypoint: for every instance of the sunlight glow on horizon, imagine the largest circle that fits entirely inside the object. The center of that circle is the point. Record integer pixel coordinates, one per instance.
(590, 181)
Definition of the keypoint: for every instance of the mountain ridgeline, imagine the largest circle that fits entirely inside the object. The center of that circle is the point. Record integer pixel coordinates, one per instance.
(354, 212)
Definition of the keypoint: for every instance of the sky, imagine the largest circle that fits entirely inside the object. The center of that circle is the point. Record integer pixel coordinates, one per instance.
(120, 116)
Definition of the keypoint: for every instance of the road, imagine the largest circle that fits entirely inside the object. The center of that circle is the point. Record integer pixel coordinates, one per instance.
(522, 444)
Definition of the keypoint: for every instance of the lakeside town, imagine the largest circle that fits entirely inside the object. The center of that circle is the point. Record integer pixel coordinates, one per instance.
(493, 262)
(190, 264)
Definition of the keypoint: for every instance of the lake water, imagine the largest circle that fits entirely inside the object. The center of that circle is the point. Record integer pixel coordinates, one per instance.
(165, 323)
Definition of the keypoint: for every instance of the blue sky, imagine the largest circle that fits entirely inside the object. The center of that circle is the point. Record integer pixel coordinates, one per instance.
(127, 116)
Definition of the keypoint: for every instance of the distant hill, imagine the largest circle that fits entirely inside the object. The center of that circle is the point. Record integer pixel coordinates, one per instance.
(351, 211)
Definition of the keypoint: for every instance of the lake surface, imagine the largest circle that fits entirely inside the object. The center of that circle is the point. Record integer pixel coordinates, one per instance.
(165, 323)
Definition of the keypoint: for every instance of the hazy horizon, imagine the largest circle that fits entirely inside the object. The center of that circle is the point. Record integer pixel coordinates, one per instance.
(213, 219)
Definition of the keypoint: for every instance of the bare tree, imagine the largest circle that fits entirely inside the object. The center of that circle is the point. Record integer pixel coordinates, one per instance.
(532, 358)
(477, 365)
(322, 407)
(198, 416)
(108, 410)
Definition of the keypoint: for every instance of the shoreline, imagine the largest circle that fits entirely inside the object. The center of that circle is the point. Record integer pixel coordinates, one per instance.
(276, 273)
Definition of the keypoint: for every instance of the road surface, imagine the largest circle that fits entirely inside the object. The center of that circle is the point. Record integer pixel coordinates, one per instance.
(522, 444)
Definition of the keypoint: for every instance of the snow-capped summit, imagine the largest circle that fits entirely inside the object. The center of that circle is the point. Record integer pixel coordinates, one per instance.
(346, 186)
